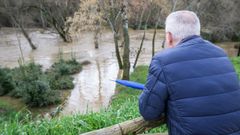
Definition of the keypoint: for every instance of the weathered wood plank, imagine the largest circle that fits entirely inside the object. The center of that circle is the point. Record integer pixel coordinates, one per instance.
(135, 126)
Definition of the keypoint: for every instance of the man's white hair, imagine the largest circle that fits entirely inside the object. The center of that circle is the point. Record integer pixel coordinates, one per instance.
(183, 24)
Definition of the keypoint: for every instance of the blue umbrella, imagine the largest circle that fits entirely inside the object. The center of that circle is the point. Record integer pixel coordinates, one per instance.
(131, 84)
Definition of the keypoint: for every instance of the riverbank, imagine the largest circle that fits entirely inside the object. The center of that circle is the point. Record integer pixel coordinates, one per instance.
(124, 106)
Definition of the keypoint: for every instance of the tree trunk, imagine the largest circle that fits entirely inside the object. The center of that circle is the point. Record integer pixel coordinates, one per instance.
(238, 53)
(126, 62)
(140, 21)
(27, 37)
(154, 35)
(24, 32)
(16, 21)
(42, 17)
(115, 37)
(140, 49)
(63, 34)
(120, 64)
(153, 41)
(174, 3)
(97, 34)
(57, 22)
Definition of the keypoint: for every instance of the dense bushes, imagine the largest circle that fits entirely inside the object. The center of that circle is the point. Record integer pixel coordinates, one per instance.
(31, 84)
(35, 87)
(6, 83)
(59, 74)
(66, 67)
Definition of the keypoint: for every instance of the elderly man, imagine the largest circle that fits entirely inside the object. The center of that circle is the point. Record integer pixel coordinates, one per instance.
(192, 82)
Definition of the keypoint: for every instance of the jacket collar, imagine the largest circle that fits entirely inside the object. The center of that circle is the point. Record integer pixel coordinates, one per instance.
(190, 40)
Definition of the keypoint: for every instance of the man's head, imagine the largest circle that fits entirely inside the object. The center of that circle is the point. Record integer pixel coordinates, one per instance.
(179, 25)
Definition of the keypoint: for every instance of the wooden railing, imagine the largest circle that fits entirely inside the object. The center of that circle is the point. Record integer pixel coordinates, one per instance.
(135, 126)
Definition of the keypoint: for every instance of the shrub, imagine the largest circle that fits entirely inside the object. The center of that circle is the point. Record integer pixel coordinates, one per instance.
(68, 67)
(6, 84)
(59, 82)
(38, 94)
(24, 74)
(59, 74)
(32, 86)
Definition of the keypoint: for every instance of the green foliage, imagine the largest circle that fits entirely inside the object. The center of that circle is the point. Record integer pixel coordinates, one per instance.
(36, 87)
(59, 82)
(33, 87)
(6, 84)
(38, 93)
(66, 67)
(236, 63)
(59, 74)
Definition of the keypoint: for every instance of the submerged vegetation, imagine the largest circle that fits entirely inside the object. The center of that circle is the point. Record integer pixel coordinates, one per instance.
(59, 74)
(35, 87)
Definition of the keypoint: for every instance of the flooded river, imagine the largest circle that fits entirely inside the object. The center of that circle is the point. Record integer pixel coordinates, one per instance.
(93, 88)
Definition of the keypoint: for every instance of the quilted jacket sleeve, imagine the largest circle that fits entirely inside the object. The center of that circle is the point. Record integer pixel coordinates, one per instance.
(153, 99)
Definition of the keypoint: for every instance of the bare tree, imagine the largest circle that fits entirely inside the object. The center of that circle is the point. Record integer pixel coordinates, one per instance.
(93, 12)
(126, 62)
(141, 17)
(112, 15)
(174, 3)
(88, 17)
(55, 15)
(97, 28)
(15, 14)
(155, 32)
(139, 50)
(143, 38)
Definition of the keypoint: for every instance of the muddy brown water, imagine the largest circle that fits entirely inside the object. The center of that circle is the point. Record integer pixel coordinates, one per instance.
(93, 89)
(93, 86)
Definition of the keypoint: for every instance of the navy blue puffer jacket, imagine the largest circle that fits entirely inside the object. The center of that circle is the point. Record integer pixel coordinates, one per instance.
(197, 88)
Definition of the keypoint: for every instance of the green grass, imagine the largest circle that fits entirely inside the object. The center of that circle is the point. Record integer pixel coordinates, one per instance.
(236, 63)
(124, 107)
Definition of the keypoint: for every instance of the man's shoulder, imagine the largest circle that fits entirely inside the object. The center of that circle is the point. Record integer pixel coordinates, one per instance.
(183, 52)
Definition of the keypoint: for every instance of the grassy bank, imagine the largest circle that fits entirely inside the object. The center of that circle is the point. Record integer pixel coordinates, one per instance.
(124, 107)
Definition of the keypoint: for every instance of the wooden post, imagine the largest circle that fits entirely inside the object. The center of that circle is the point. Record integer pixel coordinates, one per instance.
(135, 126)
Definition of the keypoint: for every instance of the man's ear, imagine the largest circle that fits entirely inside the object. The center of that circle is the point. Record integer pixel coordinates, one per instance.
(169, 40)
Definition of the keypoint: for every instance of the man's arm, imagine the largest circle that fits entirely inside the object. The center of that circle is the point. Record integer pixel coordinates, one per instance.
(153, 99)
